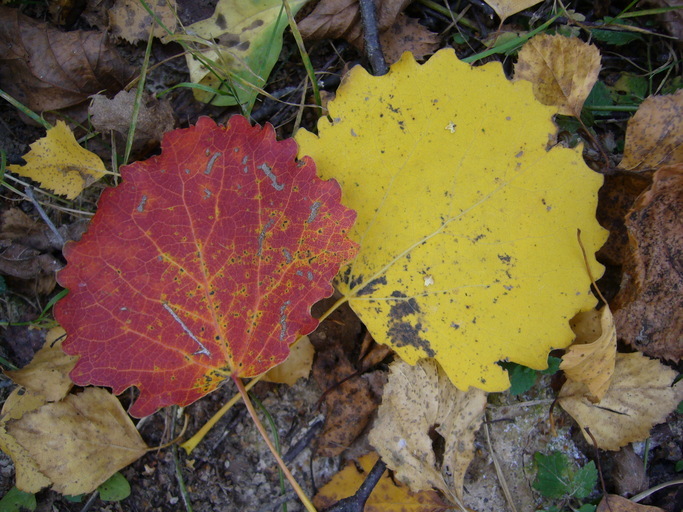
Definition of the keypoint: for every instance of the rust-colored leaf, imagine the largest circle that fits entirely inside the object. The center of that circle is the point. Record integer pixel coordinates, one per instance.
(48, 69)
(203, 264)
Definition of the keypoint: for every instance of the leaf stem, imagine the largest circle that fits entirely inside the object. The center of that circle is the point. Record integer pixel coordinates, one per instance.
(299, 491)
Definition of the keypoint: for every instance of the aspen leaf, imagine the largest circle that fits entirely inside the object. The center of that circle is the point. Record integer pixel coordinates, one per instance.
(29, 478)
(249, 40)
(654, 135)
(387, 496)
(228, 242)
(640, 396)
(418, 400)
(296, 366)
(466, 221)
(590, 359)
(563, 71)
(58, 163)
(79, 442)
(506, 8)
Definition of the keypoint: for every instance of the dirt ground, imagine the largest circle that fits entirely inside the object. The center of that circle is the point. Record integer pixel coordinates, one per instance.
(232, 469)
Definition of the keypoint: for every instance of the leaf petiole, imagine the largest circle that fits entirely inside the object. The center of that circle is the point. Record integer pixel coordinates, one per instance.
(252, 412)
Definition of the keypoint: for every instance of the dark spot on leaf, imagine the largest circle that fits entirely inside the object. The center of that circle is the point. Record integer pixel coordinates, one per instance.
(402, 308)
(404, 334)
(220, 22)
(372, 286)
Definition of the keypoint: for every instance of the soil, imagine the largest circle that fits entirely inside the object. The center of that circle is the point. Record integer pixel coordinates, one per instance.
(232, 469)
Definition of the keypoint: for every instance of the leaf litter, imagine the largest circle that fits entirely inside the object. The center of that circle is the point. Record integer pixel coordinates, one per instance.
(495, 431)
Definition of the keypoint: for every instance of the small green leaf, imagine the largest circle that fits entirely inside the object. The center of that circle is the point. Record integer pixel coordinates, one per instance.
(553, 366)
(16, 500)
(679, 409)
(553, 477)
(116, 488)
(614, 37)
(587, 508)
(679, 465)
(522, 379)
(73, 499)
(584, 481)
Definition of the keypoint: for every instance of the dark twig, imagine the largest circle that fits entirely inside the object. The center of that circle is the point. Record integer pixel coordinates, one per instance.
(43, 215)
(373, 49)
(356, 503)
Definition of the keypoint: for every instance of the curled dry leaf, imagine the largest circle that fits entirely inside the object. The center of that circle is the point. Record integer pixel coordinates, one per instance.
(590, 359)
(649, 307)
(506, 8)
(417, 402)
(340, 19)
(387, 496)
(60, 164)
(129, 20)
(79, 442)
(563, 70)
(640, 396)
(654, 135)
(48, 69)
(466, 221)
(615, 503)
(155, 117)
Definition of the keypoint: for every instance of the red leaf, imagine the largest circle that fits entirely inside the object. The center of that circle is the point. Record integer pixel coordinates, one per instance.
(203, 263)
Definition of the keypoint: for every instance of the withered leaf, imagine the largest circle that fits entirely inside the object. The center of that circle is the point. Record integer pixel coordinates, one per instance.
(48, 69)
(649, 307)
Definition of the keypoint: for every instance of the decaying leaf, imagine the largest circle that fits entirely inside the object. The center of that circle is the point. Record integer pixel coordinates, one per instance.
(640, 396)
(296, 366)
(60, 164)
(506, 8)
(48, 69)
(155, 117)
(129, 20)
(590, 359)
(649, 306)
(48, 373)
(340, 19)
(407, 35)
(388, 495)
(79, 442)
(563, 70)
(466, 221)
(248, 38)
(615, 503)
(228, 242)
(654, 135)
(28, 476)
(419, 401)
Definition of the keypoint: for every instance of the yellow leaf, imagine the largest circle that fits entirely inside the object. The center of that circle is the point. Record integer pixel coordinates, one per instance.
(79, 442)
(640, 396)
(47, 374)
(654, 135)
(590, 360)
(466, 221)
(28, 475)
(506, 8)
(562, 69)
(416, 400)
(249, 40)
(58, 163)
(296, 366)
(388, 495)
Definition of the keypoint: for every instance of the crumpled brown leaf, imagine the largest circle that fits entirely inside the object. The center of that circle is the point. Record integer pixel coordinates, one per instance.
(155, 117)
(48, 69)
(648, 311)
(340, 19)
(407, 35)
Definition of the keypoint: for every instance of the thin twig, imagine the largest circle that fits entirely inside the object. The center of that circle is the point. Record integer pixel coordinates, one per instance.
(176, 463)
(373, 48)
(499, 470)
(43, 215)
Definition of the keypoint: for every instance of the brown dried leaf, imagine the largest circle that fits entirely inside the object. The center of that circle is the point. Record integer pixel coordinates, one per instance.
(419, 402)
(407, 35)
(590, 359)
(129, 20)
(649, 307)
(48, 69)
(563, 70)
(155, 117)
(654, 135)
(79, 442)
(640, 396)
(340, 19)
(614, 503)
